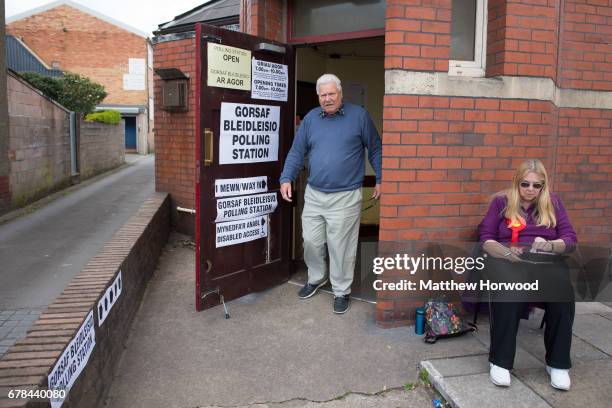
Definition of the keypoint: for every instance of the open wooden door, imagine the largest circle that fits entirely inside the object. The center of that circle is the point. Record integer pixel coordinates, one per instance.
(245, 125)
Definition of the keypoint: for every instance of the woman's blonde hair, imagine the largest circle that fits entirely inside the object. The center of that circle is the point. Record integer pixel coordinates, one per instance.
(545, 211)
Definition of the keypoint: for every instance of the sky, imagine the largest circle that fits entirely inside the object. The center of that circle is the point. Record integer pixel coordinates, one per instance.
(144, 15)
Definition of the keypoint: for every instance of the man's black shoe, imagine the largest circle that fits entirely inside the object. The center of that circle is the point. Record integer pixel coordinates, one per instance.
(341, 304)
(310, 289)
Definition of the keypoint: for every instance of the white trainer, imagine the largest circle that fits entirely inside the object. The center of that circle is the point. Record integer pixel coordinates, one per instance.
(559, 378)
(499, 376)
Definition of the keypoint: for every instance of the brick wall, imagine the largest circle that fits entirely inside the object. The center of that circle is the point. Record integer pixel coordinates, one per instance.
(5, 196)
(39, 143)
(175, 134)
(417, 35)
(522, 38)
(134, 250)
(101, 147)
(81, 43)
(583, 174)
(586, 45)
(444, 156)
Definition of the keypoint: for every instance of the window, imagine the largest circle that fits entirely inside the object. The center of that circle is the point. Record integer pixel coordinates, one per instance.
(468, 38)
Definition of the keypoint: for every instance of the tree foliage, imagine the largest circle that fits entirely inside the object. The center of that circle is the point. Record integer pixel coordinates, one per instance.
(73, 91)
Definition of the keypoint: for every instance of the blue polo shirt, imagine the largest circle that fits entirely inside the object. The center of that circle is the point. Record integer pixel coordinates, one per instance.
(334, 146)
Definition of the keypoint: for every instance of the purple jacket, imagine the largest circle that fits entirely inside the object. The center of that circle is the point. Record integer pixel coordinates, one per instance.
(493, 225)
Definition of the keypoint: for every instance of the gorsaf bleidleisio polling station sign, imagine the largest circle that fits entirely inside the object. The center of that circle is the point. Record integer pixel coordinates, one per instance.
(73, 360)
(236, 208)
(249, 133)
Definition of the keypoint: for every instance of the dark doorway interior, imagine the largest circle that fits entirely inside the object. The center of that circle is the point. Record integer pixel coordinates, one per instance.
(130, 133)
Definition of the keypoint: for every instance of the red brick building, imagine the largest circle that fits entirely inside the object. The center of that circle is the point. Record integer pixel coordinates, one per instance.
(71, 37)
(460, 97)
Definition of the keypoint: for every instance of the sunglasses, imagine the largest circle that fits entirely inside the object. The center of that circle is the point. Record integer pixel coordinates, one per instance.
(537, 186)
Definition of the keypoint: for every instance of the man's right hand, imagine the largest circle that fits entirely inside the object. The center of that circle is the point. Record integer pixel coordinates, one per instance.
(285, 190)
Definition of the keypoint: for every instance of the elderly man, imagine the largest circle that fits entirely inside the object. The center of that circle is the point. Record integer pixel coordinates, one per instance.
(333, 138)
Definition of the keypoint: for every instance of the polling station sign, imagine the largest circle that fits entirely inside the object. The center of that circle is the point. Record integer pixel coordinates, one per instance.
(229, 67)
(240, 186)
(236, 208)
(237, 232)
(249, 133)
(269, 81)
(73, 360)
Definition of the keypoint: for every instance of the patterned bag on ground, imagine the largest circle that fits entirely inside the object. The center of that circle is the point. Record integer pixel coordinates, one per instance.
(442, 320)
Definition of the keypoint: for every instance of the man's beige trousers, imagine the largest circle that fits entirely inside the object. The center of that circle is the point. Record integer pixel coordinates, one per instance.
(331, 218)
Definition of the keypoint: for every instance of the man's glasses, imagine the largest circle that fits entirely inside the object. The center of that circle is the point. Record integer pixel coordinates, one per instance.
(537, 186)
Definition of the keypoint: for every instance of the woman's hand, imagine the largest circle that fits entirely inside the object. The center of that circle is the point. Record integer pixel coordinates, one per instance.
(497, 250)
(557, 246)
(540, 244)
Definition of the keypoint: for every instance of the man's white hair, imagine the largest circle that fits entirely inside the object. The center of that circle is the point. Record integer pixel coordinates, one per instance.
(326, 79)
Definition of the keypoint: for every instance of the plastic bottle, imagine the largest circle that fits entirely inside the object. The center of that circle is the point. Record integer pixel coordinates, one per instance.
(419, 325)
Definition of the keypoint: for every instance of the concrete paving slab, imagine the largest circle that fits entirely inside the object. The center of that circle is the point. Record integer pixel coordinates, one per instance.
(592, 307)
(390, 399)
(274, 348)
(590, 385)
(596, 330)
(530, 339)
(476, 390)
(479, 364)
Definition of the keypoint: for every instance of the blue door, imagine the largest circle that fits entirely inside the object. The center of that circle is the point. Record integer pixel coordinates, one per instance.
(130, 132)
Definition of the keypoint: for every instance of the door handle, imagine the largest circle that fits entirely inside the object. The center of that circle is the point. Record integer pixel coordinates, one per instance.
(209, 144)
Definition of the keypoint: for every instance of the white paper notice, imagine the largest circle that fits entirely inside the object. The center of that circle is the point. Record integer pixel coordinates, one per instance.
(236, 232)
(136, 66)
(249, 133)
(240, 186)
(73, 360)
(238, 208)
(133, 82)
(269, 81)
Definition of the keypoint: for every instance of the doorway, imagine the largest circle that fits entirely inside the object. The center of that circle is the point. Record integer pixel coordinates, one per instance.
(130, 133)
(359, 64)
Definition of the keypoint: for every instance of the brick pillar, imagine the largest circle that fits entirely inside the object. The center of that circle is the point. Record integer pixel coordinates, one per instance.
(522, 39)
(263, 18)
(5, 196)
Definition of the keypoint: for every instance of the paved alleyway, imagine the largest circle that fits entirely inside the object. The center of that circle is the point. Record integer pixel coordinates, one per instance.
(41, 252)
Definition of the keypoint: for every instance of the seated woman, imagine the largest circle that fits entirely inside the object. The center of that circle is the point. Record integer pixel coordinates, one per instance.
(528, 213)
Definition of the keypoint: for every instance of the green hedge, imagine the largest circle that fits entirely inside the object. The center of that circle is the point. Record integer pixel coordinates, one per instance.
(110, 117)
(74, 92)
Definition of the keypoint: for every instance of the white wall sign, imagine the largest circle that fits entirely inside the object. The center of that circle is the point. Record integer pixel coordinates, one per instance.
(73, 360)
(249, 133)
(270, 81)
(237, 208)
(133, 82)
(240, 186)
(136, 66)
(236, 232)
(229, 67)
(110, 297)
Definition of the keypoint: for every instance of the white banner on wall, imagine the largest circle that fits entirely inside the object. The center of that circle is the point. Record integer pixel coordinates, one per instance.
(237, 232)
(106, 303)
(269, 81)
(249, 133)
(237, 208)
(73, 360)
(240, 186)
